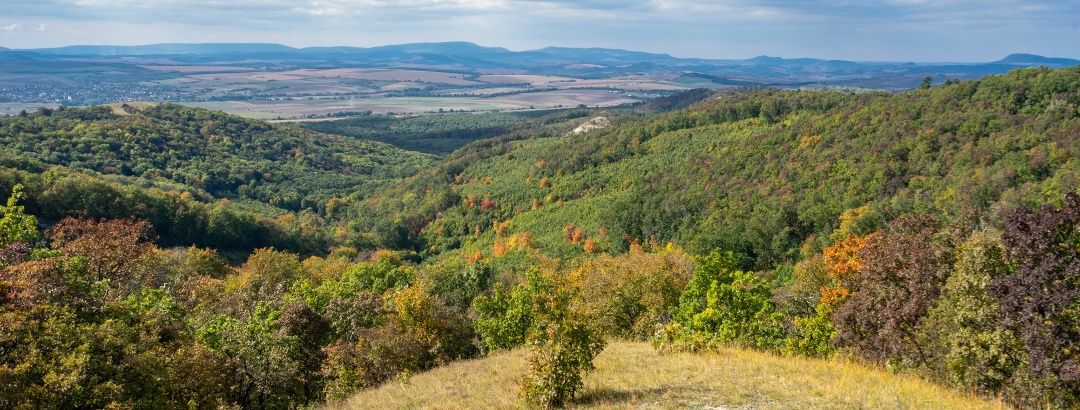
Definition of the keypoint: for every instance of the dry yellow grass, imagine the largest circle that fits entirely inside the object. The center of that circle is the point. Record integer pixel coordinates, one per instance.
(118, 108)
(633, 375)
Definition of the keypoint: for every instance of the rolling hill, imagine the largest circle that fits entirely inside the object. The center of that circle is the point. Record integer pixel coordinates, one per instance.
(634, 375)
(762, 173)
(225, 156)
(175, 166)
(1031, 59)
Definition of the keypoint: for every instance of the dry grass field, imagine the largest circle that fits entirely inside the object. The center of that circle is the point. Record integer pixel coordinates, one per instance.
(633, 375)
(12, 108)
(196, 69)
(417, 105)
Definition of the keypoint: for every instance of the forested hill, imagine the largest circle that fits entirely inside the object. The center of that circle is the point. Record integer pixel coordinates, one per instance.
(226, 156)
(199, 177)
(767, 173)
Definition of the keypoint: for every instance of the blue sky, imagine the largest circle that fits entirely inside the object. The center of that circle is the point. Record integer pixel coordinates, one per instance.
(895, 30)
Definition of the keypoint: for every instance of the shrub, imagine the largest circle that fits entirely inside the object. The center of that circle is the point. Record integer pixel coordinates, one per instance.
(416, 333)
(803, 292)
(444, 332)
(503, 319)
(812, 335)
(563, 345)
(724, 306)
(459, 285)
(632, 295)
(977, 351)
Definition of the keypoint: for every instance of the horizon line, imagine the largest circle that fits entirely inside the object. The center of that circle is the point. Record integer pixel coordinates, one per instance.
(298, 48)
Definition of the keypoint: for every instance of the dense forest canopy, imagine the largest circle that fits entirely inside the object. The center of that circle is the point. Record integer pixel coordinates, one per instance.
(931, 231)
(437, 134)
(200, 177)
(763, 173)
(213, 152)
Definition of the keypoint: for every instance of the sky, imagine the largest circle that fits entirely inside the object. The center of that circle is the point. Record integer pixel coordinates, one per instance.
(869, 30)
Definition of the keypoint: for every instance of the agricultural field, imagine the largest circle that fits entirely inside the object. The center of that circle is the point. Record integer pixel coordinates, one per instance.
(275, 93)
(8, 108)
(315, 107)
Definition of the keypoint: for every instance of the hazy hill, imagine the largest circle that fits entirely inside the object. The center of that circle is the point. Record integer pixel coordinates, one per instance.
(577, 62)
(1031, 59)
(168, 49)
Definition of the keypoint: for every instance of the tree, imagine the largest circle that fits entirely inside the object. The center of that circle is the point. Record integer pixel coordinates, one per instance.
(632, 295)
(264, 358)
(900, 279)
(267, 275)
(15, 224)
(724, 305)
(308, 331)
(926, 83)
(113, 249)
(1041, 299)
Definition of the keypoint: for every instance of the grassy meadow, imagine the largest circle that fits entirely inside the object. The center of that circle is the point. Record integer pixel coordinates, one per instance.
(634, 375)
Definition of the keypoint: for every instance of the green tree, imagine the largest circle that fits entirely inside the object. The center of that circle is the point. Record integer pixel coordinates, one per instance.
(978, 351)
(723, 305)
(15, 224)
(504, 318)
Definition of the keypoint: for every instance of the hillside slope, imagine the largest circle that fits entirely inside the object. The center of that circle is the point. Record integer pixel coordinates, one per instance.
(763, 172)
(226, 156)
(633, 375)
(200, 177)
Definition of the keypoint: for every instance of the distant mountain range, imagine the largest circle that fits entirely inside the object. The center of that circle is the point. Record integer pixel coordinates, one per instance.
(461, 50)
(576, 62)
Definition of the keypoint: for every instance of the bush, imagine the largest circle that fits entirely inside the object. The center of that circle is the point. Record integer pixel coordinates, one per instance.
(563, 347)
(503, 319)
(419, 332)
(632, 295)
(978, 352)
(812, 335)
(724, 306)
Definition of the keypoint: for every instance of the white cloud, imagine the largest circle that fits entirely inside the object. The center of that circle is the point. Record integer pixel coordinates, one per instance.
(10, 27)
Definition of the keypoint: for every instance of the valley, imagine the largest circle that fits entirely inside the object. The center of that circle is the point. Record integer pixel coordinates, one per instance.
(271, 81)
